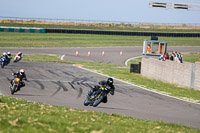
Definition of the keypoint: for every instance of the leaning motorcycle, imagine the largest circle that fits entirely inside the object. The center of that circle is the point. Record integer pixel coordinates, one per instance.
(17, 59)
(15, 85)
(96, 97)
(3, 62)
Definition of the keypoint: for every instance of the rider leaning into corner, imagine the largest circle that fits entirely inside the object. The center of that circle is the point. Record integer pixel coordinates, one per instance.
(21, 75)
(9, 57)
(5, 55)
(19, 55)
(106, 84)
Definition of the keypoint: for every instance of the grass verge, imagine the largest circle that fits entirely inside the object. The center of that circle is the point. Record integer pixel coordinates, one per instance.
(10, 39)
(20, 116)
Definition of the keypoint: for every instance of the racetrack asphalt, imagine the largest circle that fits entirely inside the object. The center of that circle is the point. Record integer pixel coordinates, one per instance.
(66, 85)
(111, 54)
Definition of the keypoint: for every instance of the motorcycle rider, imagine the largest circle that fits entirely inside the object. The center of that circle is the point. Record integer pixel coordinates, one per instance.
(9, 57)
(105, 84)
(21, 75)
(19, 55)
(5, 56)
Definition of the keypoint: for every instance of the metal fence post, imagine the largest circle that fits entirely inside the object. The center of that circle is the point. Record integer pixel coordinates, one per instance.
(192, 76)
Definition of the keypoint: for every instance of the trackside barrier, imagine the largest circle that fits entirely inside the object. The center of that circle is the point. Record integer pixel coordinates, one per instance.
(182, 74)
(122, 33)
(22, 29)
(42, 30)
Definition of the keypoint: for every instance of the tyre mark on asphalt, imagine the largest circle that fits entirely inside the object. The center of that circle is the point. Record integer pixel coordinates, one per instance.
(61, 85)
(53, 73)
(8, 79)
(42, 87)
(40, 72)
(88, 85)
(80, 92)
(68, 74)
(81, 83)
(71, 85)
(59, 88)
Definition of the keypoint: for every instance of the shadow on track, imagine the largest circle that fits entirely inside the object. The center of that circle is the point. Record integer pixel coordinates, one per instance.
(112, 108)
(27, 95)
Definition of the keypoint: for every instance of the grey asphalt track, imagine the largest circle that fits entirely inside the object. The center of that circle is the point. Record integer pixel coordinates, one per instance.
(112, 54)
(66, 85)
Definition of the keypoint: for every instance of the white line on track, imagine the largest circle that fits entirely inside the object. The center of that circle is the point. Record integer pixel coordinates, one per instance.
(126, 62)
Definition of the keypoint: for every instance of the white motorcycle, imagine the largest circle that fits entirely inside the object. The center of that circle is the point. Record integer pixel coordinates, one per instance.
(17, 58)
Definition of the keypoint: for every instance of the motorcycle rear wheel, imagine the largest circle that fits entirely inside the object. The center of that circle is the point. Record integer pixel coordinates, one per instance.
(12, 89)
(86, 102)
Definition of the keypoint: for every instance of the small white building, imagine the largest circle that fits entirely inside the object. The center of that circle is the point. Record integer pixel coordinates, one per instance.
(154, 48)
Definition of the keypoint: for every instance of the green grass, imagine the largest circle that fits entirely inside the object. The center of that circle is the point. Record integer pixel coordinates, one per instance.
(135, 61)
(10, 39)
(20, 116)
(192, 57)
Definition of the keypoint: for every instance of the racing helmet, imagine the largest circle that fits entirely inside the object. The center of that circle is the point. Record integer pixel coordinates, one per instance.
(4, 53)
(8, 53)
(110, 81)
(19, 53)
(22, 71)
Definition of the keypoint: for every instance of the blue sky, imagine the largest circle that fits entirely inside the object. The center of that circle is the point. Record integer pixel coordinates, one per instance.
(108, 10)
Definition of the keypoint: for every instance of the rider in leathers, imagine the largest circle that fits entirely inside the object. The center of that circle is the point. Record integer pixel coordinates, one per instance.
(21, 75)
(106, 84)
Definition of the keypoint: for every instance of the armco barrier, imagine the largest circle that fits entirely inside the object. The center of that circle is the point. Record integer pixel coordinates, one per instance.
(122, 33)
(22, 29)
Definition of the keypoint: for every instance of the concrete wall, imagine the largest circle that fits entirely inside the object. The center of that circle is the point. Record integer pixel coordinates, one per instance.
(197, 76)
(181, 74)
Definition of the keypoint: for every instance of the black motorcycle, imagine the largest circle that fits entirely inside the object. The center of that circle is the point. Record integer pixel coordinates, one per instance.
(97, 97)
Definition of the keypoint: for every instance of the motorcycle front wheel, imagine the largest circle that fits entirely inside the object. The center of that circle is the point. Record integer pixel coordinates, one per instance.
(98, 101)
